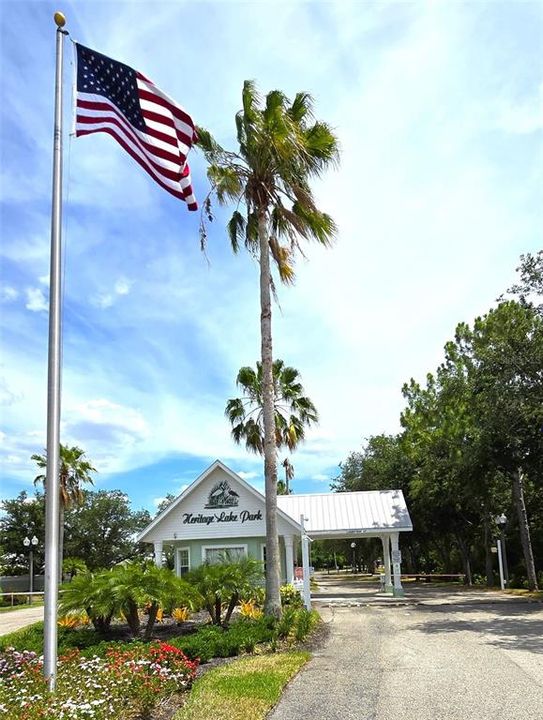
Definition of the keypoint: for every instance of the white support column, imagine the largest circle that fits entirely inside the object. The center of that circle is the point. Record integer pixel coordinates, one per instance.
(396, 565)
(158, 553)
(289, 557)
(305, 565)
(385, 539)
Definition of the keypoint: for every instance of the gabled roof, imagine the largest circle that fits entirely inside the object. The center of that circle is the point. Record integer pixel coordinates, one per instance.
(236, 478)
(340, 514)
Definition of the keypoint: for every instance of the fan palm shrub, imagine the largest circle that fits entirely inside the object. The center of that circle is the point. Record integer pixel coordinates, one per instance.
(221, 586)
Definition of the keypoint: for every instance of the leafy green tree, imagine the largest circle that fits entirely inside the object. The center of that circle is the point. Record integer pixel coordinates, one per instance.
(23, 516)
(505, 355)
(529, 288)
(74, 470)
(221, 586)
(281, 148)
(103, 527)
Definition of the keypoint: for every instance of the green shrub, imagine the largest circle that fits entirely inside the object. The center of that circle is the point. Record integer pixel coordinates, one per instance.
(290, 596)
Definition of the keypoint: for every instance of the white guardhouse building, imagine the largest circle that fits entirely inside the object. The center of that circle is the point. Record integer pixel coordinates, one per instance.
(220, 512)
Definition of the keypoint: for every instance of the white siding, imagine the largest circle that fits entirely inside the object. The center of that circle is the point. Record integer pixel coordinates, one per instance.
(175, 524)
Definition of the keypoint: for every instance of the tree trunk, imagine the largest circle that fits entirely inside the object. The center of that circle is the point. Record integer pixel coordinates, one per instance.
(273, 597)
(153, 611)
(518, 497)
(464, 551)
(60, 539)
(231, 605)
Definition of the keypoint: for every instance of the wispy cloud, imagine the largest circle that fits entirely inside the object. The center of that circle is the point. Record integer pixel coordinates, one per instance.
(8, 294)
(35, 300)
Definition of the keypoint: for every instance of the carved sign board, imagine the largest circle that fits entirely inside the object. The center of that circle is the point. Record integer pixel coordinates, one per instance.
(244, 516)
(396, 556)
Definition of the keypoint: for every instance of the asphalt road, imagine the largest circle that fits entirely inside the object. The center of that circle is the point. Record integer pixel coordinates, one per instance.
(423, 662)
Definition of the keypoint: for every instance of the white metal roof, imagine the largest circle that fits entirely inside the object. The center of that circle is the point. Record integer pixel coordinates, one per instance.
(372, 512)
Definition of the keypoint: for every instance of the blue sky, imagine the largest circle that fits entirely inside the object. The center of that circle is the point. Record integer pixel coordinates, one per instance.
(438, 109)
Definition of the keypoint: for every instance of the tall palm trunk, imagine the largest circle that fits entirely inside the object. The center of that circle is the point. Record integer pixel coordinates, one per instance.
(60, 539)
(273, 596)
(518, 497)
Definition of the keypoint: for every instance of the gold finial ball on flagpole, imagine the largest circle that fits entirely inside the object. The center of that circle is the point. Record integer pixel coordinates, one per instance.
(60, 19)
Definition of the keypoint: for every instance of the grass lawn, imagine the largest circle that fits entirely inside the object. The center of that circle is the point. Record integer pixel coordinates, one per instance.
(20, 607)
(245, 689)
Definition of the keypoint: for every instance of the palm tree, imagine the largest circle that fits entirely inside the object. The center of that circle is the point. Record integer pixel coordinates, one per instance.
(74, 470)
(289, 474)
(293, 411)
(281, 148)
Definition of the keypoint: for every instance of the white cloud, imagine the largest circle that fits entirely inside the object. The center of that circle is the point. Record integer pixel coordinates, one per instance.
(123, 286)
(320, 478)
(8, 294)
(35, 300)
(246, 475)
(104, 300)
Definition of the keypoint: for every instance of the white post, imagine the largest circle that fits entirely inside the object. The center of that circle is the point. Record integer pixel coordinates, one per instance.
(500, 563)
(305, 565)
(396, 565)
(158, 553)
(289, 558)
(385, 539)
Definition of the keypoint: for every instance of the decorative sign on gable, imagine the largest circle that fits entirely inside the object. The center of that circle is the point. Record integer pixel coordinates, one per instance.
(222, 496)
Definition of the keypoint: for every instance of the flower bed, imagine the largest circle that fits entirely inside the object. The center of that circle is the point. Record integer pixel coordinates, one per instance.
(123, 684)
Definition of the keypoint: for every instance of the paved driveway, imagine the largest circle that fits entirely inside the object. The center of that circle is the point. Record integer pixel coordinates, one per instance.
(434, 658)
(15, 619)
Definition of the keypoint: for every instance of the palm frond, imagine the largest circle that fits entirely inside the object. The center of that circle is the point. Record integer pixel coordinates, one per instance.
(302, 107)
(207, 143)
(236, 229)
(226, 181)
(318, 225)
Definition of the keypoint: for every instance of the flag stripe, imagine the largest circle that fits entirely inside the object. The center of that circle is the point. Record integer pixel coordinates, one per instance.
(89, 113)
(157, 133)
(175, 191)
(161, 97)
(153, 167)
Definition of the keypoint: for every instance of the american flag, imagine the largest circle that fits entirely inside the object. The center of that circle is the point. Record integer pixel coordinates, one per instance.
(157, 132)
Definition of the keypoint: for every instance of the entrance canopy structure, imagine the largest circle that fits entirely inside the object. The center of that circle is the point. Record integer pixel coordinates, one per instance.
(220, 512)
(353, 515)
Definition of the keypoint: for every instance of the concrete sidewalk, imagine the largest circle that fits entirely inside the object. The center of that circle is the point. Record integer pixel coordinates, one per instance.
(16, 619)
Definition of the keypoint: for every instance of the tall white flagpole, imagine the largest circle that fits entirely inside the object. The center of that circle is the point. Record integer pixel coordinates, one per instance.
(52, 497)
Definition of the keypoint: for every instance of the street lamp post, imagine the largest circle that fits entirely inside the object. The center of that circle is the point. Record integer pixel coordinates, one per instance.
(501, 522)
(31, 544)
(353, 548)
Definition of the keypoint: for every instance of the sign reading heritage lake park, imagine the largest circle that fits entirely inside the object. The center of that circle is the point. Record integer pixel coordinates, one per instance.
(243, 516)
(221, 496)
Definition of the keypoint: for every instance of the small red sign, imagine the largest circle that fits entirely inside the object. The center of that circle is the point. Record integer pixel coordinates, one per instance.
(299, 573)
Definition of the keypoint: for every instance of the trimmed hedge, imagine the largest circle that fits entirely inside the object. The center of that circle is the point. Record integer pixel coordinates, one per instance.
(209, 641)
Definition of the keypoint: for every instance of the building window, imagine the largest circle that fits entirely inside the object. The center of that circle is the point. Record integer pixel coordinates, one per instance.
(225, 553)
(183, 561)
